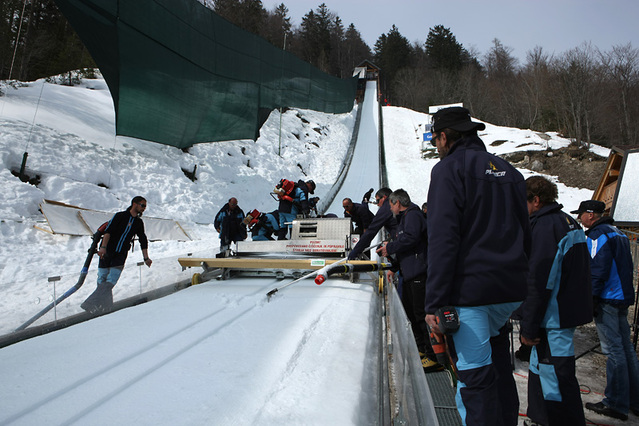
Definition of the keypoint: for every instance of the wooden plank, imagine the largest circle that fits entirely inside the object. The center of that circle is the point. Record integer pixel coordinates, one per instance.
(608, 194)
(43, 229)
(261, 263)
(613, 163)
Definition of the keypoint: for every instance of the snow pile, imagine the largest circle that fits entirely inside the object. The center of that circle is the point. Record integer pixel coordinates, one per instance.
(68, 133)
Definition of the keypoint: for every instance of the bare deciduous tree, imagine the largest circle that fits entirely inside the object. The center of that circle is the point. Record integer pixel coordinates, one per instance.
(534, 85)
(408, 88)
(621, 65)
(579, 75)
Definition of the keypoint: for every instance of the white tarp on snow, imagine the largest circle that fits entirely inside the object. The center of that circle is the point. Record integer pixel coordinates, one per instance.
(73, 220)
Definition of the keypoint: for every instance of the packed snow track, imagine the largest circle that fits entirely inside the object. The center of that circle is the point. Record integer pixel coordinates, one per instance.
(215, 353)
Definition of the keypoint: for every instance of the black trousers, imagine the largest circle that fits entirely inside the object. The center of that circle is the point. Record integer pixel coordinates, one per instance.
(413, 295)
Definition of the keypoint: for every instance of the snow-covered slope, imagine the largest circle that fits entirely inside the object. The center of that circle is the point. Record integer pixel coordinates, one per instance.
(68, 133)
(215, 353)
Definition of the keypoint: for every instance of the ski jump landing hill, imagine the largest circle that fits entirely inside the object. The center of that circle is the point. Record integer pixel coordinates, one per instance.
(223, 352)
(363, 171)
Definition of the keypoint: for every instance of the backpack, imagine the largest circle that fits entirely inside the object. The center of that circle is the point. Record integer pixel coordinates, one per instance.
(252, 218)
(284, 189)
(103, 227)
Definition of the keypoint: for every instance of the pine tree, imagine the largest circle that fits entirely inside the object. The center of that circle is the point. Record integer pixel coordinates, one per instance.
(42, 39)
(246, 14)
(443, 50)
(228, 9)
(337, 37)
(253, 15)
(277, 26)
(355, 50)
(392, 53)
(315, 33)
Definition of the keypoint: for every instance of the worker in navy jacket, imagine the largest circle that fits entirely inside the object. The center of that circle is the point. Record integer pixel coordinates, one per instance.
(478, 245)
(308, 203)
(113, 251)
(558, 300)
(410, 247)
(359, 214)
(410, 244)
(611, 264)
(613, 292)
(383, 218)
(229, 223)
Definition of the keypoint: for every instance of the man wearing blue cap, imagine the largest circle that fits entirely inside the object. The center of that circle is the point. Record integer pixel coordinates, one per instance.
(612, 292)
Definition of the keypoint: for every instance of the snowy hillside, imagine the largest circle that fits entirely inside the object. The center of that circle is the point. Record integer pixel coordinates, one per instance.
(69, 135)
(73, 149)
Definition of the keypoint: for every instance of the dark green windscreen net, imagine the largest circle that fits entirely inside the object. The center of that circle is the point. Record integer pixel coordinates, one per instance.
(180, 74)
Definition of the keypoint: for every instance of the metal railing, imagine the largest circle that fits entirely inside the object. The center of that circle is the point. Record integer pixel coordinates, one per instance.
(326, 202)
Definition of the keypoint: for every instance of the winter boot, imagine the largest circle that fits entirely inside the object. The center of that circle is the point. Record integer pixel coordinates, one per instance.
(367, 196)
(428, 364)
(523, 353)
(282, 232)
(101, 300)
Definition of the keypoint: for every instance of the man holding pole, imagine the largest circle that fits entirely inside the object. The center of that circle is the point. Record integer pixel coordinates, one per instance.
(113, 252)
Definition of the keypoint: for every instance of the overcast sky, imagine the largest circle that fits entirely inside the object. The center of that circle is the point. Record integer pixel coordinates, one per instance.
(555, 25)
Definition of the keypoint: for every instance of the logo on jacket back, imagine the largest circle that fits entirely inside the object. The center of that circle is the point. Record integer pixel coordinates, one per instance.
(492, 170)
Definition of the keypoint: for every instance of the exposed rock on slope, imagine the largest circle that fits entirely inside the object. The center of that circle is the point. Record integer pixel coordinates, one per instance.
(577, 168)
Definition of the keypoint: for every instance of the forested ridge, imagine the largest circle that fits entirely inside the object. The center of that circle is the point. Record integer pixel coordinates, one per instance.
(584, 93)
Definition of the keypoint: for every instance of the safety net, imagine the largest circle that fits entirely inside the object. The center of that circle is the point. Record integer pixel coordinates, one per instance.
(180, 74)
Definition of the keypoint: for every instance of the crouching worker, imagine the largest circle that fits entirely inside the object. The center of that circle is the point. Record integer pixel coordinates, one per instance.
(113, 251)
(262, 225)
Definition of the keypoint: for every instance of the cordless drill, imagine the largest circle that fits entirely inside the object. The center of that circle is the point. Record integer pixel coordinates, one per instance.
(448, 322)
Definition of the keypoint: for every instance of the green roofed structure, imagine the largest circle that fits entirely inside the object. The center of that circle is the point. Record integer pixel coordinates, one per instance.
(180, 74)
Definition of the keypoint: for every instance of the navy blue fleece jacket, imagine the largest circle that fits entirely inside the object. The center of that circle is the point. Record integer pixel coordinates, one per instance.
(478, 229)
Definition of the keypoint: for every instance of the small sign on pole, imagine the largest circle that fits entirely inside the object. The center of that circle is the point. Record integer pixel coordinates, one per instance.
(55, 308)
(433, 109)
